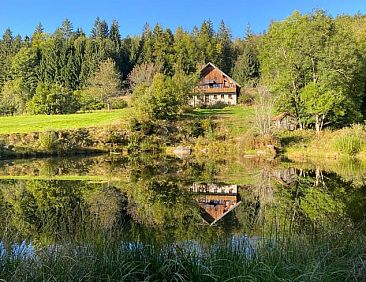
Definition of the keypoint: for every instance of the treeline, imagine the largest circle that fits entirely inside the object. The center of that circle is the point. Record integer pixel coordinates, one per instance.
(313, 65)
(64, 71)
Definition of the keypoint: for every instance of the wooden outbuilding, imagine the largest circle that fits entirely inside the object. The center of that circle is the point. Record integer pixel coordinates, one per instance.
(285, 121)
(214, 87)
(215, 200)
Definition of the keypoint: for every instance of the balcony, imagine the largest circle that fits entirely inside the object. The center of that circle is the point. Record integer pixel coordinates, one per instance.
(217, 89)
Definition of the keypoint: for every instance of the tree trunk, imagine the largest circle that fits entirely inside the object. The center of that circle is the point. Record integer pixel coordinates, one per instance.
(317, 124)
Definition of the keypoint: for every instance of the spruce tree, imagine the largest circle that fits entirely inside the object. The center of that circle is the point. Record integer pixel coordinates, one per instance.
(66, 29)
(114, 34)
(225, 49)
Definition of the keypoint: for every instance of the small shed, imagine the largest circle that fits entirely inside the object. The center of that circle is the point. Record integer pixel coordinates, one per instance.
(286, 121)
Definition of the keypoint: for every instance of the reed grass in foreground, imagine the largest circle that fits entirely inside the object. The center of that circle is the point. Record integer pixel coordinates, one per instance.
(337, 257)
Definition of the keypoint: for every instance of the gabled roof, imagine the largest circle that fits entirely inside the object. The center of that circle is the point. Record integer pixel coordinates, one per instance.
(221, 216)
(282, 115)
(212, 65)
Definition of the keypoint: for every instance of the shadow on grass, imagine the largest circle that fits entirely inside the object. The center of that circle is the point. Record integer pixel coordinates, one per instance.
(205, 113)
(291, 140)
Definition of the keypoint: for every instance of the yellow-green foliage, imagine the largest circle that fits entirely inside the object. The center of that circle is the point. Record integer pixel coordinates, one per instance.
(48, 141)
(350, 140)
(306, 144)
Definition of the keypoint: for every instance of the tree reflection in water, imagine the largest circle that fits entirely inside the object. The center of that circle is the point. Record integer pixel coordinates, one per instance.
(160, 200)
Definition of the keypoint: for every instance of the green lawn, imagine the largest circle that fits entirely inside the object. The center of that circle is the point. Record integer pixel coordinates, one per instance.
(237, 119)
(93, 178)
(39, 123)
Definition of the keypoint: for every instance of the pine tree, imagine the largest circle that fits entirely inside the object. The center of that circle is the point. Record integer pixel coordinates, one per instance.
(103, 30)
(100, 29)
(206, 43)
(6, 54)
(66, 29)
(114, 34)
(95, 30)
(38, 35)
(225, 49)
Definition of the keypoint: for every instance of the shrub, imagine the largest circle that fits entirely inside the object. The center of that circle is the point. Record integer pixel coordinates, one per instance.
(53, 99)
(247, 96)
(118, 103)
(48, 140)
(87, 100)
(196, 129)
(209, 126)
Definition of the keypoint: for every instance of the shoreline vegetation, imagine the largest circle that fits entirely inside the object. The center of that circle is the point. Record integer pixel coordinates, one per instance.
(212, 133)
(238, 259)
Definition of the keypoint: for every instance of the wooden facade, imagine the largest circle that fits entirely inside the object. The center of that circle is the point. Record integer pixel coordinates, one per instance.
(215, 200)
(214, 87)
(285, 121)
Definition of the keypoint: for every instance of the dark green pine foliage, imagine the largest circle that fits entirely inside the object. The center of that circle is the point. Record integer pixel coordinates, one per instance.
(206, 43)
(120, 53)
(66, 29)
(132, 48)
(51, 60)
(100, 29)
(115, 35)
(8, 48)
(95, 30)
(163, 48)
(147, 45)
(247, 68)
(225, 48)
(184, 52)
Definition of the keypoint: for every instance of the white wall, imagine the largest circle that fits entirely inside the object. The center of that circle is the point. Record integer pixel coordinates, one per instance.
(213, 99)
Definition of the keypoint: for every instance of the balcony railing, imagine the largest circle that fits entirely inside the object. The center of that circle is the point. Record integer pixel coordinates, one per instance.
(206, 89)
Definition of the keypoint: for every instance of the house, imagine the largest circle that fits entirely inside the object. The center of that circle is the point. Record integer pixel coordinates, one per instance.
(285, 121)
(214, 87)
(215, 200)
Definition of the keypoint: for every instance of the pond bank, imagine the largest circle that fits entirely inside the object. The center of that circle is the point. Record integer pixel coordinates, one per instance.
(331, 258)
(83, 141)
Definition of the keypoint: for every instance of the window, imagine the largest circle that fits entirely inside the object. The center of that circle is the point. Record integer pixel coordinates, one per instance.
(230, 96)
(222, 96)
(215, 97)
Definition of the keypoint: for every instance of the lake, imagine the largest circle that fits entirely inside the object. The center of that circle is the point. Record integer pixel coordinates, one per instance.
(159, 200)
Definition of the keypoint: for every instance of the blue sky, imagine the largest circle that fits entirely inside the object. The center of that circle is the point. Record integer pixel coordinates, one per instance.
(23, 15)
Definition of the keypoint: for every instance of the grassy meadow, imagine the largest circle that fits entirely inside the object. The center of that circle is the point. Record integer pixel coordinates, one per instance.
(236, 120)
(41, 123)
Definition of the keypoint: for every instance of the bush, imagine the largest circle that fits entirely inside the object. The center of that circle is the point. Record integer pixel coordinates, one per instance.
(247, 96)
(87, 101)
(209, 126)
(53, 99)
(350, 140)
(118, 103)
(48, 140)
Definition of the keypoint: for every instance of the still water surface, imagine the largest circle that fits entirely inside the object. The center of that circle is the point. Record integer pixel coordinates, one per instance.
(157, 199)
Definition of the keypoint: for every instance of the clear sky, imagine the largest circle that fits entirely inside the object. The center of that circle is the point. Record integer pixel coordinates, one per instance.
(23, 15)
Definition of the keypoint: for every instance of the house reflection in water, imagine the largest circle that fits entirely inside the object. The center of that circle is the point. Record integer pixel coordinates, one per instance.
(215, 200)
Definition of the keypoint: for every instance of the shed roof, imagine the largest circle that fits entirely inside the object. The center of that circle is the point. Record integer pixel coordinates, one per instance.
(282, 116)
